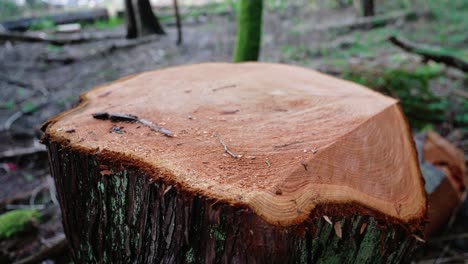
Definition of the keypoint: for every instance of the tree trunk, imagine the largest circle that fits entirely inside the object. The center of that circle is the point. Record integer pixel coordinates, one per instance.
(140, 19)
(249, 30)
(290, 185)
(368, 8)
(178, 22)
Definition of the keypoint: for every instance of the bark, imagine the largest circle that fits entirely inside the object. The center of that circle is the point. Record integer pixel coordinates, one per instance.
(113, 213)
(141, 20)
(178, 22)
(368, 8)
(249, 30)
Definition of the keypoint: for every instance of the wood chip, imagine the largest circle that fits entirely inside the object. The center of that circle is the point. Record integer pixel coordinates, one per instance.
(337, 228)
(327, 219)
(363, 228)
(167, 189)
(419, 239)
(104, 94)
(229, 111)
(304, 164)
(223, 87)
(105, 172)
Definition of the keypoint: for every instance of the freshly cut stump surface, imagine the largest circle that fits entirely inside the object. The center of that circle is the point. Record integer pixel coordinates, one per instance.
(264, 163)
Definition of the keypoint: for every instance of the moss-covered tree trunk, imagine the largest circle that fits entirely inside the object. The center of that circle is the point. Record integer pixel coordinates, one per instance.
(140, 19)
(113, 213)
(249, 30)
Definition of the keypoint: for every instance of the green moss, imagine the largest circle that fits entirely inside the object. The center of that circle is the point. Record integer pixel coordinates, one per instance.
(190, 256)
(249, 30)
(16, 221)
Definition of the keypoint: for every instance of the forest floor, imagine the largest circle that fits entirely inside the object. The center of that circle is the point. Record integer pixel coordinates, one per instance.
(39, 80)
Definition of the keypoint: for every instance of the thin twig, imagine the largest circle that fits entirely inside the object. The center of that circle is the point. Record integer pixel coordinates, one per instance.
(430, 54)
(226, 149)
(11, 120)
(223, 87)
(120, 117)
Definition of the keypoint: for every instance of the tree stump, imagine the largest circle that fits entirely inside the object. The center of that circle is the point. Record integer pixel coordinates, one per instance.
(236, 163)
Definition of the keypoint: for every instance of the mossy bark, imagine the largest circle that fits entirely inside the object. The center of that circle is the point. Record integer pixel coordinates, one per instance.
(249, 30)
(114, 213)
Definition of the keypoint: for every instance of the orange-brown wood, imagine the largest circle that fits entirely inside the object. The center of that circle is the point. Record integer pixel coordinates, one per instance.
(449, 194)
(448, 158)
(304, 139)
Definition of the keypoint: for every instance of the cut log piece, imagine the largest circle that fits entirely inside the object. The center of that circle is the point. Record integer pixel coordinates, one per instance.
(267, 164)
(443, 167)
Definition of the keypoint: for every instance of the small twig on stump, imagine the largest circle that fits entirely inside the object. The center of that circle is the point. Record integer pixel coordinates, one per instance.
(226, 149)
(430, 54)
(120, 117)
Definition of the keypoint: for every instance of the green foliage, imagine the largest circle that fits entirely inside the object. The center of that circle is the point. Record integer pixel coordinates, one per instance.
(28, 107)
(249, 30)
(411, 87)
(111, 23)
(296, 52)
(16, 221)
(7, 105)
(8, 9)
(54, 48)
(277, 5)
(43, 24)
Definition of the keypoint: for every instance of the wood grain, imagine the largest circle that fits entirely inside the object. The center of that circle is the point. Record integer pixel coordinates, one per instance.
(305, 138)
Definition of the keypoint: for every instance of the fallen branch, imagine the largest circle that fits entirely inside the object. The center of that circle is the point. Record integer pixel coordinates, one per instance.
(373, 22)
(15, 152)
(53, 246)
(58, 18)
(430, 54)
(59, 41)
(123, 44)
(17, 115)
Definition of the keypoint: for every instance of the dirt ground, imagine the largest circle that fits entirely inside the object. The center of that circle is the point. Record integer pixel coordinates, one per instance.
(40, 80)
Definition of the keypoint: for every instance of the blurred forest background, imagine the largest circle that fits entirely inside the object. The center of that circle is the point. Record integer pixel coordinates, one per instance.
(44, 67)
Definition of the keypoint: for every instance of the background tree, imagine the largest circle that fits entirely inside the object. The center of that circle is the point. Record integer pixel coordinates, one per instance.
(140, 19)
(368, 8)
(249, 30)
